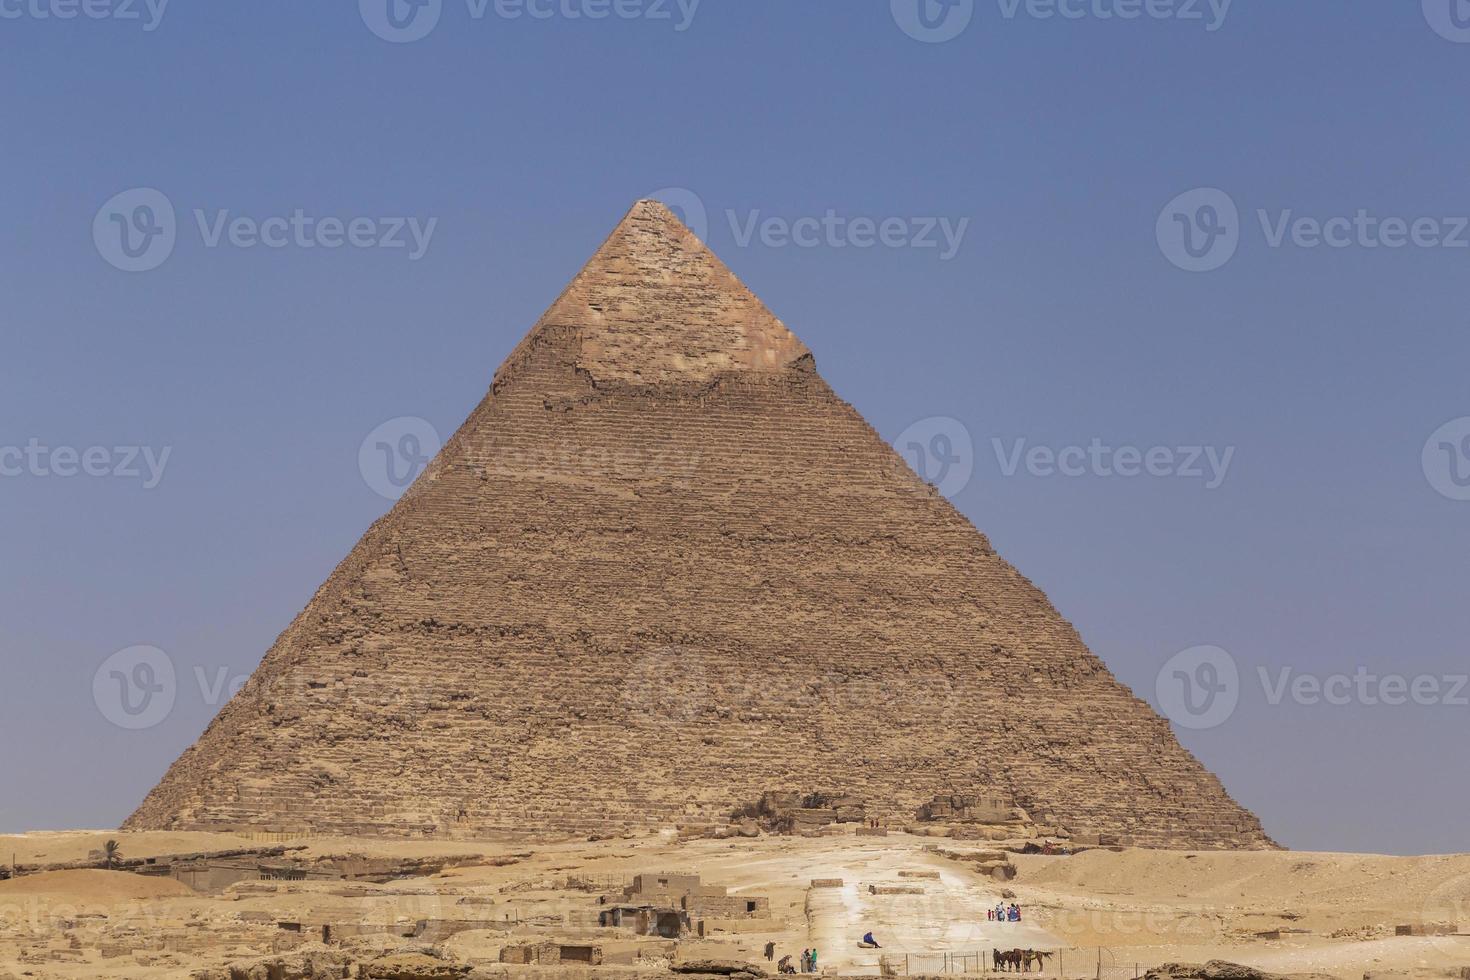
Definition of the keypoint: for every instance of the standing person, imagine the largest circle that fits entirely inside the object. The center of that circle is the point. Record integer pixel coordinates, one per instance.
(770, 952)
(806, 961)
(814, 959)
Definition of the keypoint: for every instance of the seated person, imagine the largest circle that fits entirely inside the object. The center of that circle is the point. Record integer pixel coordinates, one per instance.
(868, 940)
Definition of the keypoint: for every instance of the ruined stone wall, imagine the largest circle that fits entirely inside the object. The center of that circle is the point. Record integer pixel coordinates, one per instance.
(618, 602)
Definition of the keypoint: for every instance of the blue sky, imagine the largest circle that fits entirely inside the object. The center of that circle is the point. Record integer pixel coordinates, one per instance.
(1302, 157)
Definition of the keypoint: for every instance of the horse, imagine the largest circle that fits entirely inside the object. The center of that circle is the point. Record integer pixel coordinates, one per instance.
(1005, 959)
(1018, 960)
(1035, 956)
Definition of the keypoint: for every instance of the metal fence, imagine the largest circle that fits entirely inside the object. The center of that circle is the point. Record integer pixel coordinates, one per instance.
(1075, 962)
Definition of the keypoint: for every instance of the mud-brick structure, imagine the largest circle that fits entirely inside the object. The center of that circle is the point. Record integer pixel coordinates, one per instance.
(661, 568)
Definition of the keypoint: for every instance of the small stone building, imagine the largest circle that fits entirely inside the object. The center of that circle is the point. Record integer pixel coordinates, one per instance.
(646, 920)
(551, 954)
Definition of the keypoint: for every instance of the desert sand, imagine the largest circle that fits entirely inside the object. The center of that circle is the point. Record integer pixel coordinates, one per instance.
(1114, 913)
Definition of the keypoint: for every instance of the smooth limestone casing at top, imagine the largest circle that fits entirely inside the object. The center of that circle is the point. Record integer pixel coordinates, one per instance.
(661, 569)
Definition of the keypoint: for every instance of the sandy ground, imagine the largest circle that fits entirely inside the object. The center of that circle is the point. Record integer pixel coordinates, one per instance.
(93, 886)
(1099, 913)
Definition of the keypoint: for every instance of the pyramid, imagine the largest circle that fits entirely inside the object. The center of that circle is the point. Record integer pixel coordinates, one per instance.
(660, 570)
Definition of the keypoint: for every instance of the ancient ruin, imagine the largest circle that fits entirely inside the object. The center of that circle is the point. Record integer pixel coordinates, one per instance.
(659, 570)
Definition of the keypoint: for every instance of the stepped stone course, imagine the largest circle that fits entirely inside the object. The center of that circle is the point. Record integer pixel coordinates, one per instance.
(661, 569)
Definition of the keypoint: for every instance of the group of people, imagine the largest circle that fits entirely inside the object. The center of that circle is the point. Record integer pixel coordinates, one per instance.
(808, 960)
(1003, 914)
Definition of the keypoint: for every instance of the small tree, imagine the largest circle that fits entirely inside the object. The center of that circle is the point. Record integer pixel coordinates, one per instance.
(112, 852)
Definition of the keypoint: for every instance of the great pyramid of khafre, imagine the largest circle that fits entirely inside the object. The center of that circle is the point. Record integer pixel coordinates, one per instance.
(660, 570)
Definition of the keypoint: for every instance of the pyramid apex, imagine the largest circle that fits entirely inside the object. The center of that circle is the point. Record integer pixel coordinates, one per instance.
(653, 209)
(654, 305)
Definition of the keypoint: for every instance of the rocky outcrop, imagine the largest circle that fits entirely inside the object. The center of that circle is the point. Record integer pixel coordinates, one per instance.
(661, 568)
(1222, 970)
(321, 963)
(411, 966)
(719, 968)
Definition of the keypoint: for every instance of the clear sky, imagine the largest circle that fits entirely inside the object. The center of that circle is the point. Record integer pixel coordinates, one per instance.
(1073, 228)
